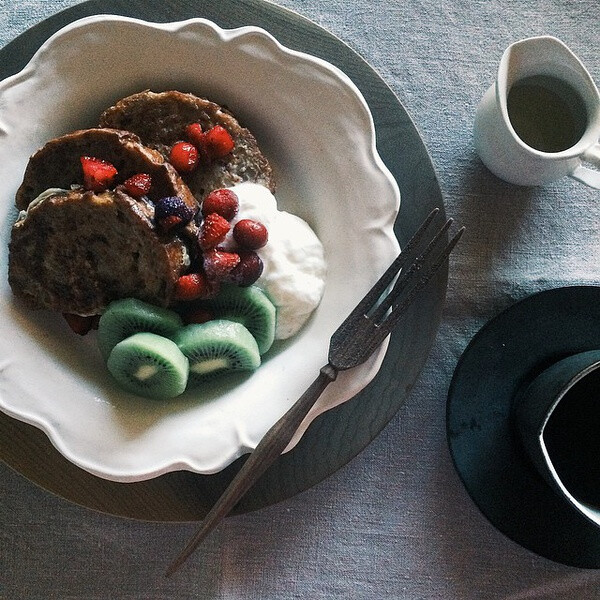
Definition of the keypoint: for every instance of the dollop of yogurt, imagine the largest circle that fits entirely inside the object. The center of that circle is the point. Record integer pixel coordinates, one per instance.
(294, 259)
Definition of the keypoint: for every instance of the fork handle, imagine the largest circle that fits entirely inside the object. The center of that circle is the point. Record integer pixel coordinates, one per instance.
(264, 455)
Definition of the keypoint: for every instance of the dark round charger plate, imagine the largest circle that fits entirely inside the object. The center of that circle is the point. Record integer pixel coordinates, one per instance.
(335, 437)
(504, 357)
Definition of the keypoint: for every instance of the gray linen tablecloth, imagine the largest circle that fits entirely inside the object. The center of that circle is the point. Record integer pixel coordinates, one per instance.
(396, 522)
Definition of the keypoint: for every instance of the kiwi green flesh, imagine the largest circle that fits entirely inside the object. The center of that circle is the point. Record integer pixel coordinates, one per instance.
(128, 316)
(149, 365)
(251, 307)
(216, 347)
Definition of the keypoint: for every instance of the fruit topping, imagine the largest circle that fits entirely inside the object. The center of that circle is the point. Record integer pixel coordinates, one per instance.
(248, 270)
(172, 212)
(184, 157)
(224, 202)
(138, 185)
(149, 365)
(194, 134)
(216, 347)
(80, 325)
(250, 234)
(213, 231)
(218, 264)
(125, 317)
(218, 142)
(192, 287)
(98, 174)
(249, 306)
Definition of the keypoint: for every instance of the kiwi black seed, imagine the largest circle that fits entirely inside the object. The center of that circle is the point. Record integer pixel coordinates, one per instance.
(125, 317)
(217, 347)
(149, 365)
(249, 306)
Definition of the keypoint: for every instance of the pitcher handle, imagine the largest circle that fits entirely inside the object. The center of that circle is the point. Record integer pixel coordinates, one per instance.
(590, 177)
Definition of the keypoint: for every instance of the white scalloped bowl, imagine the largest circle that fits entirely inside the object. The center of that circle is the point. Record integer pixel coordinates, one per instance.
(315, 127)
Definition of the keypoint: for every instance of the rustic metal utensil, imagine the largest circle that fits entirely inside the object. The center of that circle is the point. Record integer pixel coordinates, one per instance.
(353, 342)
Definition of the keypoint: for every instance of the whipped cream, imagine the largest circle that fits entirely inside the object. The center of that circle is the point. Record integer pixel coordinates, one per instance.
(294, 259)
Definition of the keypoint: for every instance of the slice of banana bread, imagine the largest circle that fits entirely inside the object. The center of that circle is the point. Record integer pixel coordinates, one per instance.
(57, 164)
(160, 120)
(77, 251)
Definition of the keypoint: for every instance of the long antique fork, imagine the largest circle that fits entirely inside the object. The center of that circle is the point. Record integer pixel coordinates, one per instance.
(352, 343)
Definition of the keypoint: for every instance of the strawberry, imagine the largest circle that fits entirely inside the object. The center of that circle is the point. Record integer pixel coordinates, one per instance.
(98, 174)
(194, 133)
(213, 231)
(184, 157)
(248, 270)
(80, 325)
(218, 264)
(198, 314)
(224, 202)
(138, 185)
(191, 287)
(218, 142)
(250, 234)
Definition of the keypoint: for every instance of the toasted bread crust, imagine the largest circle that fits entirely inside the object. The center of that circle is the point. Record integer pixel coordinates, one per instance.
(160, 119)
(77, 251)
(57, 164)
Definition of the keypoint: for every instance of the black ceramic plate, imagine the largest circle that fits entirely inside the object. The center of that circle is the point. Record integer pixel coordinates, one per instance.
(340, 434)
(504, 356)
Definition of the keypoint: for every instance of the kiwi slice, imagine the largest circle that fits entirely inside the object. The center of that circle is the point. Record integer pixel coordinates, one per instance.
(149, 365)
(125, 317)
(249, 306)
(217, 346)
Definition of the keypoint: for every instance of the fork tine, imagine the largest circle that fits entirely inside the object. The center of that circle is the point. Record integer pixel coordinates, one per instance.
(384, 281)
(399, 308)
(379, 313)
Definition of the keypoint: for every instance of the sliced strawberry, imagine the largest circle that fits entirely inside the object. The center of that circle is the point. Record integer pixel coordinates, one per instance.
(248, 270)
(191, 287)
(184, 157)
(224, 202)
(250, 234)
(98, 174)
(218, 264)
(80, 325)
(194, 134)
(213, 230)
(138, 185)
(218, 142)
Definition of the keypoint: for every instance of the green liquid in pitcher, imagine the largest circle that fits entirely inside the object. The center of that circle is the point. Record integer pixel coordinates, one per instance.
(546, 113)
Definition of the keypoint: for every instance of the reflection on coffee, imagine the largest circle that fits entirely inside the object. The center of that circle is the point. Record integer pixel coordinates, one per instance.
(572, 437)
(546, 113)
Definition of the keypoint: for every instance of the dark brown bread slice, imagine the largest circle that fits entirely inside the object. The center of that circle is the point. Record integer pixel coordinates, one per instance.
(57, 164)
(76, 252)
(160, 119)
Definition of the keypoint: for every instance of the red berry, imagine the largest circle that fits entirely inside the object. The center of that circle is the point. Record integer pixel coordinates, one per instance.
(250, 234)
(184, 157)
(170, 222)
(213, 230)
(224, 202)
(198, 315)
(248, 270)
(98, 174)
(218, 264)
(218, 142)
(138, 185)
(191, 287)
(194, 133)
(80, 325)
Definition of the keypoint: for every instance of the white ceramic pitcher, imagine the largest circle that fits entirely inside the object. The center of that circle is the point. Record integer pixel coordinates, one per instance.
(540, 120)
